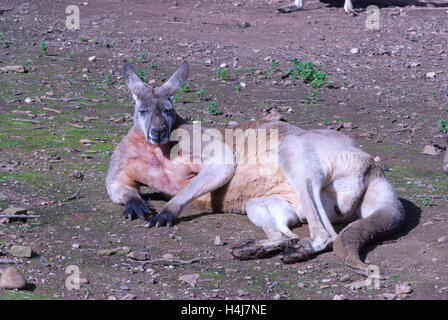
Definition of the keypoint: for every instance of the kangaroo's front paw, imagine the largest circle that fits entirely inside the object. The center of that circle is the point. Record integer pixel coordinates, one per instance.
(249, 250)
(135, 208)
(163, 219)
(299, 252)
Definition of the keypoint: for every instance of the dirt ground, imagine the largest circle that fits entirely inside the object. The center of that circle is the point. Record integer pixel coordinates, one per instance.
(388, 94)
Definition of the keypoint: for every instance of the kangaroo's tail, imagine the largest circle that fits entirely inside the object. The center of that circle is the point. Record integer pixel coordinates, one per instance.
(382, 214)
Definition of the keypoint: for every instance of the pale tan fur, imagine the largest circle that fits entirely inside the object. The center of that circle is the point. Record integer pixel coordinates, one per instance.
(319, 177)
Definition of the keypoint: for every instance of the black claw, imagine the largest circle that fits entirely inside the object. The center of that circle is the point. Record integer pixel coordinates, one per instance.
(163, 219)
(135, 209)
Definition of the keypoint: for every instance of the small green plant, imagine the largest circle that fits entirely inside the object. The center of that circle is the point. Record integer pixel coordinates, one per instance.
(108, 80)
(251, 71)
(201, 94)
(142, 74)
(28, 65)
(434, 94)
(82, 38)
(266, 73)
(315, 95)
(274, 65)
(223, 73)
(154, 66)
(1, 38)
(309, 73)
(426, 201)
(213, 108)
(176, 97)
(185, 88)
(70, 54)
(239, 87)
(142, 58)
(236, 71)
(445, 107)
(443, 125)
(44, 48)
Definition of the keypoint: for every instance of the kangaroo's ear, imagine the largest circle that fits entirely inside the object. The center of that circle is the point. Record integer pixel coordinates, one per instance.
(138, 88)
(176, 81)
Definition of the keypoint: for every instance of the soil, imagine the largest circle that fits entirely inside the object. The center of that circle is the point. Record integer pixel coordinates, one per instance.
(388, 94)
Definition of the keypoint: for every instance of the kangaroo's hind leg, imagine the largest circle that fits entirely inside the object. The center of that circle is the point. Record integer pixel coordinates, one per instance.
(300, 163)
(275, 216)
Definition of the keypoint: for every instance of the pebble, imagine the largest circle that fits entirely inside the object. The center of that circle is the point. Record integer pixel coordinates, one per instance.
(388, 296)
(403, 288)
(443, 239)
(355, 50)
(191, 279)
(218, 241)
(21, 251)
(345, 278)
(76, 246)
(11, 278)
(430, 75)
(92, 58)
(123, 287)
(242, 293)
(339, 297)
(223, 65)
(430, 150)
(167, 256)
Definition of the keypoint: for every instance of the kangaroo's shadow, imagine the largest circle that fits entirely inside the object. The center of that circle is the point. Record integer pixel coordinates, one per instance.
(412, 219)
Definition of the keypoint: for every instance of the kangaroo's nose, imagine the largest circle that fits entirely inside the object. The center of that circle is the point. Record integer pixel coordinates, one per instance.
(157, 133)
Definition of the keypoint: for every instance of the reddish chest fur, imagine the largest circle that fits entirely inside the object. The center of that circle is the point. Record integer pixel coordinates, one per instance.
(150, 165)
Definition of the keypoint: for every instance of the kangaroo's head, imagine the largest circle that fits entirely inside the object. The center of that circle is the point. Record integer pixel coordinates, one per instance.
(154, 114)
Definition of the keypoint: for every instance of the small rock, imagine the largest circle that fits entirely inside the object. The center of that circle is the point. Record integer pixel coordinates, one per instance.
(430, 75)
(339, 297)
(443, 239)
(377, 159)
(277, 297)
(123, 287)
(129, 296)
(139, 256)
(13, 210)
(76, 246)
(357, 285)
(107, 252)
(431, 150)
(21, 251)
(388, 296)
(218, 241)
(223, 65)
(7, 69)
(242, 293)
(27, 100)
(348, 125)
(92, 58)
(208, 61)
(345, 278)
(191, 279)
(85, 141)
(11, 278)
(355, 50)
(403, 288)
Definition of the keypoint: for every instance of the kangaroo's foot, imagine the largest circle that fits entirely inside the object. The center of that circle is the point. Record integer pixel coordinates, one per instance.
(136, 209)
(163, 219)
(299, 252)
(290, 8)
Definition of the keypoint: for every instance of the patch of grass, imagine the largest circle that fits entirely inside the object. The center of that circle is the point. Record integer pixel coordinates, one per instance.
(44, 48)
(236, 71)
(185, 87)
(223, 73)
(108, 80)
(238, 88)
(27, 65)
(1, 38)
(201, 94)
(309, 74)
(154, 66)
(443, 125)
(142, 58)
(142, 74)
(213, 108)
(70, 55)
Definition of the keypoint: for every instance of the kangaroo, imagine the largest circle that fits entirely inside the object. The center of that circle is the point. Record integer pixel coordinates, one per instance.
(317, 176)
(298, 5)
